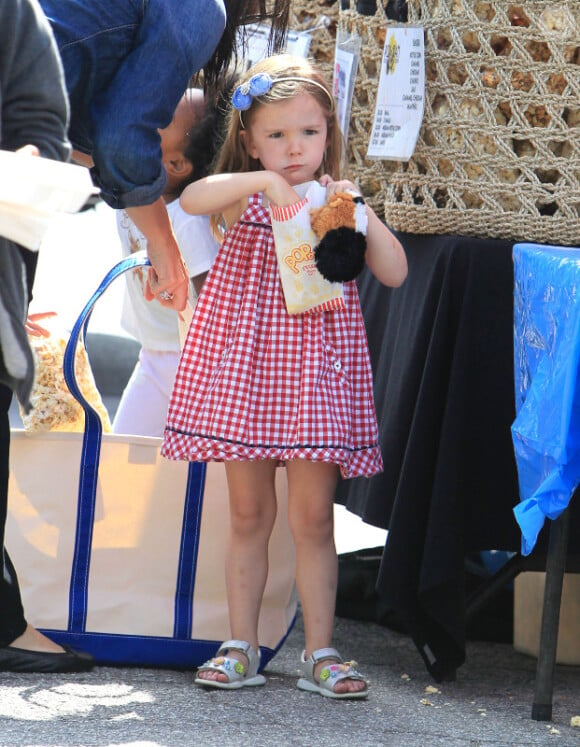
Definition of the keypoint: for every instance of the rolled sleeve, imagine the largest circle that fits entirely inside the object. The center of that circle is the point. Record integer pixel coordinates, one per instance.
(172, 41)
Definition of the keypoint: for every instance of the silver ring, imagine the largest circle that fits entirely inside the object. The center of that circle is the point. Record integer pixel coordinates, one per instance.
(166, 296)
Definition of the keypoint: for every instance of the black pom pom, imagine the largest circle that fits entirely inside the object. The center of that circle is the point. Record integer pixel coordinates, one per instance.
(340, 255)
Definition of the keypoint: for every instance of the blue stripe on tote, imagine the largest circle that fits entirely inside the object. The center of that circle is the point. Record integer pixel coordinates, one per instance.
(148, 651)
(189, 546)
(78, 595)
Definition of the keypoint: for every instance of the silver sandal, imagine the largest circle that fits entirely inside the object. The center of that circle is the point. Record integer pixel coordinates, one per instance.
(330, 674)
(237, 673)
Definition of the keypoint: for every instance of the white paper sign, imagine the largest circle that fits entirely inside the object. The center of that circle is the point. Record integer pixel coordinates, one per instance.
(297, 43)
(401, 95)
(344, 70)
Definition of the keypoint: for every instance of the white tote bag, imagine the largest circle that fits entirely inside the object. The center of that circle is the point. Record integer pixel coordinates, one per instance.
(120, 552)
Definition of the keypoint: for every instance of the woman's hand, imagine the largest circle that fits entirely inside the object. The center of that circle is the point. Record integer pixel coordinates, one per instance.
(167, 279)
(28, 150)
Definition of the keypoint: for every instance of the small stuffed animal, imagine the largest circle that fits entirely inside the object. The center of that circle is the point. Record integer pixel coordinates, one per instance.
(340, 225)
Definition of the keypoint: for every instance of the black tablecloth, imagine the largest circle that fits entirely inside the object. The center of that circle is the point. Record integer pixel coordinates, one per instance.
(442, 355)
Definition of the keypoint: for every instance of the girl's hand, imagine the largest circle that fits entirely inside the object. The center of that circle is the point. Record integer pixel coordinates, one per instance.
(332, 187)
(278, 191)
(385, 256)
(36, 330)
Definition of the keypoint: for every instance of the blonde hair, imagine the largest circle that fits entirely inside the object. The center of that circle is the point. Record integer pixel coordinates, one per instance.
(291, 76)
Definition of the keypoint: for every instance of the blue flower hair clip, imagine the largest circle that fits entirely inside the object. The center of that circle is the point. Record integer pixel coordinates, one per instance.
(258, 85)
(261, 83)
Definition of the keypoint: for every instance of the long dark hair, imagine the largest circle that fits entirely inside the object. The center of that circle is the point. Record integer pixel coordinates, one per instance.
(239, 14)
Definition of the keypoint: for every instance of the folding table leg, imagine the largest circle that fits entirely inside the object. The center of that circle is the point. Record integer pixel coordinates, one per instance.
(555, 567)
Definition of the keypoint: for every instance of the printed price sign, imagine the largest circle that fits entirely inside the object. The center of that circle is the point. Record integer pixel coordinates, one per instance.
(401, 95)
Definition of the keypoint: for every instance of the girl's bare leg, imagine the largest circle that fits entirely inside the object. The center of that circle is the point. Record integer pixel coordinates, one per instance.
(252, 517)
(311, 487)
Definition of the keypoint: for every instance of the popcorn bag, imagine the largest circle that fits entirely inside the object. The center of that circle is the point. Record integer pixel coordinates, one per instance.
(305, 290)
(53, 406)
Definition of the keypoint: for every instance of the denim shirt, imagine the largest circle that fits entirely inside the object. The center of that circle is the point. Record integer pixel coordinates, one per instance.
(127, 64)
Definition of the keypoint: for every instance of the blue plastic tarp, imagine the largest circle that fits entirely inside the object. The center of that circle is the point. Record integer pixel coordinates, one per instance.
(546, 430)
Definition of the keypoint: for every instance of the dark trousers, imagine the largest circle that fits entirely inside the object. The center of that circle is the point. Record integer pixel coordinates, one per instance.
(12, 620)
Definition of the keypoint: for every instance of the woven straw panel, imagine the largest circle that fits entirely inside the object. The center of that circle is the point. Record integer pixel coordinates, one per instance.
(304, 14)
(498, 154)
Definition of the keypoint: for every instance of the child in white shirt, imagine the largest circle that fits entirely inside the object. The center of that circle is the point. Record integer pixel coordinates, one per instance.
(188, 145)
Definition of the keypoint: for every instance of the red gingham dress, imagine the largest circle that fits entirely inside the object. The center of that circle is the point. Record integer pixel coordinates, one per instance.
(255, 382)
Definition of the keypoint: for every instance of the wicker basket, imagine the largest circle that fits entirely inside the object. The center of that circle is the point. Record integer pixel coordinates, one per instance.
(304, 14)
(498, 154)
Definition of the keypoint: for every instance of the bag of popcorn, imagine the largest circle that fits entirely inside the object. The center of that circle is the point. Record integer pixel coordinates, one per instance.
(53, 406)
(305, 290)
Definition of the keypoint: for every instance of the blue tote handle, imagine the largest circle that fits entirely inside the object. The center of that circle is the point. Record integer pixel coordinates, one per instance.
(88, 479)
(138, 259)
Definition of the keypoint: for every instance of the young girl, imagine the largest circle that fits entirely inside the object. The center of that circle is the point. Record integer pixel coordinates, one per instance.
(257, 386)
(188, 146)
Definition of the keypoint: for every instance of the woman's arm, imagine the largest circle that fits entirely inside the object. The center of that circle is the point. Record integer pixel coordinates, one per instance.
(167, 272)
(385, 256)
(228, 193)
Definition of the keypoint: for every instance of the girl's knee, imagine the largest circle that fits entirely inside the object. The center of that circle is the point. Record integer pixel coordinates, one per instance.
(312, 525)
(252, 517)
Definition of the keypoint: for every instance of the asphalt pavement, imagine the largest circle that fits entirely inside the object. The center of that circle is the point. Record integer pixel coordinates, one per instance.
(488, 705)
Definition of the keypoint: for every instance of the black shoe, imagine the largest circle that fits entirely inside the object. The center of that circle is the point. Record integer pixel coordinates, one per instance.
(20, 660)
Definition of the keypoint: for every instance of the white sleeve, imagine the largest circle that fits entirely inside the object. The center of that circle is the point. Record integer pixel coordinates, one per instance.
(195, 240)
